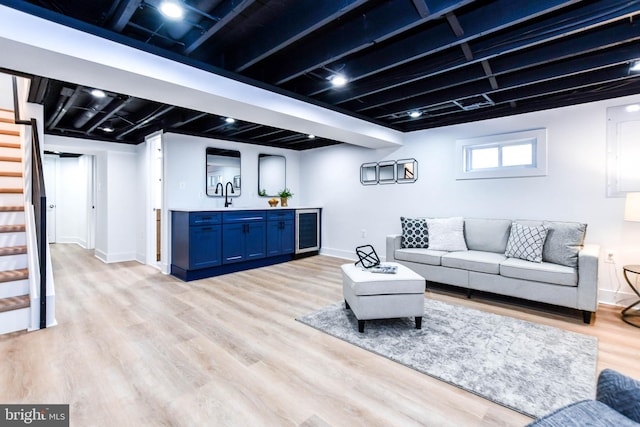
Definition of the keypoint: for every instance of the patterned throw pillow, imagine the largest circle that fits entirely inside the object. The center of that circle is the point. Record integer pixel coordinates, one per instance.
(526, 242)
(414, 233)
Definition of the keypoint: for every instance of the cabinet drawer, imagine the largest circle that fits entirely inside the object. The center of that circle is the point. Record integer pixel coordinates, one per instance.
(282, 215)
(243, 216)
(204, 218)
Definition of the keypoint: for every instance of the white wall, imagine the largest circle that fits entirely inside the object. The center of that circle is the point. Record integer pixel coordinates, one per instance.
(185, 174)
(117, 194)
(6, 92)
(573, 190)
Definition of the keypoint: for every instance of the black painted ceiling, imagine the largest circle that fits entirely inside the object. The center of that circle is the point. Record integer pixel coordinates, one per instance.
(454, 61)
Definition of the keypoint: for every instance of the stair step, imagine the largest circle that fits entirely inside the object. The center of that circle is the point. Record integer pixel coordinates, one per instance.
(11, 190)
(11, 208)
(7, 120)
(13, 275)
(13, 250)
(12, 228)
(14, 303)
(9, 132)
(10, 145)
(10, 159)
(11, 174)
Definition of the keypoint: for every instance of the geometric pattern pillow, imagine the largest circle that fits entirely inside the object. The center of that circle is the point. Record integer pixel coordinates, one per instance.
(414, 233)
(526, 242)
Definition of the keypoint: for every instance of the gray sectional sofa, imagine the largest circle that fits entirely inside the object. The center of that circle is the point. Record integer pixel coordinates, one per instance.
(564, 274)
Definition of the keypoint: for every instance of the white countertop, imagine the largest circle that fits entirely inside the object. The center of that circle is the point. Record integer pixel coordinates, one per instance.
(242, 208)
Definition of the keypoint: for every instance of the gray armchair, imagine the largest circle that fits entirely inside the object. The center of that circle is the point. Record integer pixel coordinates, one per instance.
(617, 404)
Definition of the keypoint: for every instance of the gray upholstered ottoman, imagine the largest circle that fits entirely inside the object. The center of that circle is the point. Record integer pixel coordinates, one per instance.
(383, 296)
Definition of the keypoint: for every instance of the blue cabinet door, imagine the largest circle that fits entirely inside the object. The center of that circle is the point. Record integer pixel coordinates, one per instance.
(255, 240)
(233, 246)
(288, 237)
(204, 246)
(280, 237)
(274, 238)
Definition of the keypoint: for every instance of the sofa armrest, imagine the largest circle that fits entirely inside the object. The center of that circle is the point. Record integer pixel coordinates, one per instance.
(588, 277)
(393, 243)
(619, 392)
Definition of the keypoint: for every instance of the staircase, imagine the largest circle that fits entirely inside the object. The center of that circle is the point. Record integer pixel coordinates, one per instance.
(14, 274)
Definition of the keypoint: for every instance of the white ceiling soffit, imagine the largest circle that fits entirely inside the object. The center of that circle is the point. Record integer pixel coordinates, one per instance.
(33, 45)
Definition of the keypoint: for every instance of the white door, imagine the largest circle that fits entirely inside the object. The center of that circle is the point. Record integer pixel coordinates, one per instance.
(50, 164)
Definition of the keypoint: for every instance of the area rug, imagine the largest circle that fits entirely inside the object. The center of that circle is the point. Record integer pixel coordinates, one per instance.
(530, 368)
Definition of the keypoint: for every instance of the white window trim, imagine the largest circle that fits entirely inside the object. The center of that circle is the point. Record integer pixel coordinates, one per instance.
(616, 173)
(536, 136)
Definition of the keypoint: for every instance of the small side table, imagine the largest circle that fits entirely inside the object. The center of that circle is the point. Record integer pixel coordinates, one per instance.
(626, 316)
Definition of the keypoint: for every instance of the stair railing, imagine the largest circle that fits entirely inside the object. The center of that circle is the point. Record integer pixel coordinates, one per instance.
(39, 200)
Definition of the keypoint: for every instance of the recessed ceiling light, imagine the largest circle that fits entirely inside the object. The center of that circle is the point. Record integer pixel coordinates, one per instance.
(98, 93)
(338, 80)
(171, 9)
(230, 120)
(632, 108)
(311, 136)
(415, 114)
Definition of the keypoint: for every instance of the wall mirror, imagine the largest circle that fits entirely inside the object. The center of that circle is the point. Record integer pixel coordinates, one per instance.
(272, 174)
(369, 173)
(387, 172)
(406, 170)
(223, 167)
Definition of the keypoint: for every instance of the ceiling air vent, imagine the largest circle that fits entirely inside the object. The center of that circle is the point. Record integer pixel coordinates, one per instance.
(474, 102)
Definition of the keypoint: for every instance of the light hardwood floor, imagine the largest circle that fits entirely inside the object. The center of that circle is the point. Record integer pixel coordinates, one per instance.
(136, 348)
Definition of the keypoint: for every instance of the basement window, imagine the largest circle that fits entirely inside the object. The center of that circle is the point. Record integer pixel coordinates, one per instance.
(517, 154)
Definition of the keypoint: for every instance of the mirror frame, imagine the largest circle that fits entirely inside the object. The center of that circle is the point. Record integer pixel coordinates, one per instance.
(365, 167)
(400, 167)
(284, 183)
(384, 166)
(234, 179)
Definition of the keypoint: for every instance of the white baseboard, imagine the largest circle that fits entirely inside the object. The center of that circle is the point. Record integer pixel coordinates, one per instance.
(617, 298)
(76, 240)
(110, 258)
(338, 253)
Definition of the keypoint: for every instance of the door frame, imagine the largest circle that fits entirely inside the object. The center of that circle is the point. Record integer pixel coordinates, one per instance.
(154, 141)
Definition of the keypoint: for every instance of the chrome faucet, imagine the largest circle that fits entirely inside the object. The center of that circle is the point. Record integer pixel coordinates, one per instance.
(227, 201)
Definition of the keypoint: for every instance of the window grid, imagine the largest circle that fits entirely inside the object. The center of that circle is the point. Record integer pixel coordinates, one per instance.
(499, 161)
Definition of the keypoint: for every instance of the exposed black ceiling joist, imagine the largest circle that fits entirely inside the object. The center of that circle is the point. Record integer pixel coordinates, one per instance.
(456, 61)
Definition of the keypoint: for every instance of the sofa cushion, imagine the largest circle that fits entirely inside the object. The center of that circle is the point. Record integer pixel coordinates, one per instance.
(414, 233)
(490, 235)
(446, 234)
(526, 242)
(584, 413)
(539, 272)
(564, 240)
(620, 392)
(483, 262)
(423, 256)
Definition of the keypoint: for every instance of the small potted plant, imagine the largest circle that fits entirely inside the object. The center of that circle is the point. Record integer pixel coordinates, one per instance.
(284, 196)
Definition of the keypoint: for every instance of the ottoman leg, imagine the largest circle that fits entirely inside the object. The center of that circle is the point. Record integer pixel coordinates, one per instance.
(361, 326)
(418, 322)
(346, 304)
